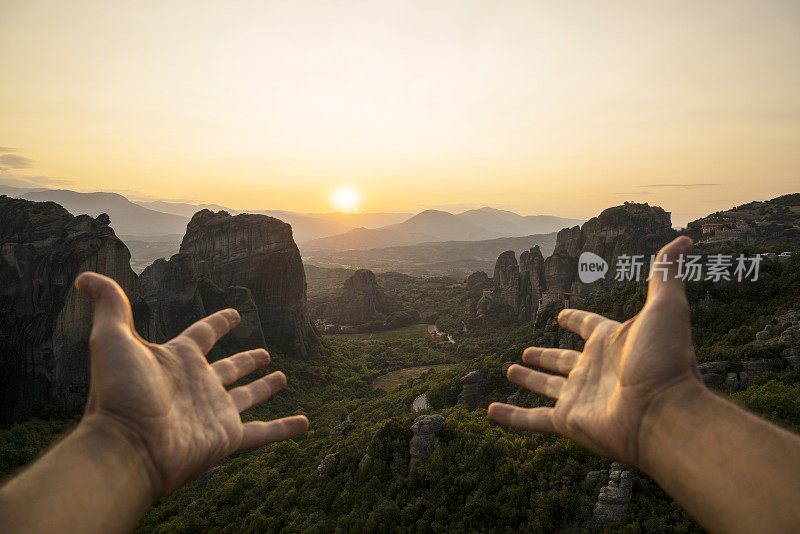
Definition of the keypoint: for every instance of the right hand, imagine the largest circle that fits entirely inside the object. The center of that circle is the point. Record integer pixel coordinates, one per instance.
(625, 372)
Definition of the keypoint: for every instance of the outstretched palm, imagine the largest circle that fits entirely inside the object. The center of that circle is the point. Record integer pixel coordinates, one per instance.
(167, 399)
(622, 372)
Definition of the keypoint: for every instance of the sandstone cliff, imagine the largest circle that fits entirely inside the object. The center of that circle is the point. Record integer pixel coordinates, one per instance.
(44, 320)
(249, 262)
(477, 282)
(536, 283)
(174, 295)
(359, 301)
(627, 229)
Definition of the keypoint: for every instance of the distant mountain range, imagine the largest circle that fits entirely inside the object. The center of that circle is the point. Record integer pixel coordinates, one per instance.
(430, 242)
(127, 218)
(155, 220)
(433, 225)
(158, 219)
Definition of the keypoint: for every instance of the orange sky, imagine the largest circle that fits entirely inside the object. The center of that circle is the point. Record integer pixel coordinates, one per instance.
(540, 107)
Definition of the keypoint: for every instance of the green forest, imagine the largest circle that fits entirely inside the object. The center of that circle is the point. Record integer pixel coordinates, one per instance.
(483, 476)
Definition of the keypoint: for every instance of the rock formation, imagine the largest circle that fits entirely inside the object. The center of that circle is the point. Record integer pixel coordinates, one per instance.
(532, 282)
(735, 377)
(628, 229)
(535, 283)
(472, 385)
(506, 279)
(784, 328)
(477, 282)
(360, 299)
(328, 464)
(593, 478)
(174, 294)
(424, 440)
(44, 319)
(486, 304)
(612, 503)
(249, 262)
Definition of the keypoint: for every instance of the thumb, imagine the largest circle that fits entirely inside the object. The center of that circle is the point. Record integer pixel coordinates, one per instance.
(665, 280)
(111, 306)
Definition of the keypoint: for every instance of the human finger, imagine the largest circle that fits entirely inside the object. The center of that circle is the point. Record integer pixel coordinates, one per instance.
(257, 391)
(581, 322)
(232, 368)
(536, 419)
(111, 306)
(559, 360)
(258, 433)
(548, 385)
(665, 281)
(206, 332)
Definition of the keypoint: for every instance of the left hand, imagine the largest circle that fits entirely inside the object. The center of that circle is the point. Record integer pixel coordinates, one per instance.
(166, 400)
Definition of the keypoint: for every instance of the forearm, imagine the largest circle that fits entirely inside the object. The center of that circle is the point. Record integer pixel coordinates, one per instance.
(731, 470)
(94, 480)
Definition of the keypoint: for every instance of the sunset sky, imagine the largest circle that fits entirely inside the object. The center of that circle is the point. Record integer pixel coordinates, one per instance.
(562, 108)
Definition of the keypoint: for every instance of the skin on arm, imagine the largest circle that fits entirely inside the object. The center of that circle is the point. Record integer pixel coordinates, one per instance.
(635, 394)
(157, 417)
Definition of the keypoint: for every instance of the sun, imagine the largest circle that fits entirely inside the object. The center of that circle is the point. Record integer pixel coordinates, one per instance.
(346, 199)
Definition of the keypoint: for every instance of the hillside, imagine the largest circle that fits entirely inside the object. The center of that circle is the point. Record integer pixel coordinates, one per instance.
(761, 223)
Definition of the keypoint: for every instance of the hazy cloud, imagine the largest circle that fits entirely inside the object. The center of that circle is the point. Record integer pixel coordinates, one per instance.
(6, 149)
(15, 162)
(25, 180)
(682, 186)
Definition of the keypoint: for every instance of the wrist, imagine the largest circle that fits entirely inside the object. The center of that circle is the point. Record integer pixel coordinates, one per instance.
(125, 449)
(664, 418)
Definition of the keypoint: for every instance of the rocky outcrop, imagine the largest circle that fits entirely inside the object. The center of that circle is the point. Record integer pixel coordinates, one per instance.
(507, 280)
(471, 388)
(784, 328)
(594, 478)
(561, 266)
(736, 376)
(536, 284)
(247, 259)
(44, 319)
(477, 282)
(632, 229)
(359, 301)
(486, 304)
(328, 464)
(175, 294)
(532, 282)
(612, 503)
(424, 440)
